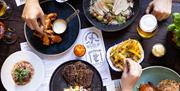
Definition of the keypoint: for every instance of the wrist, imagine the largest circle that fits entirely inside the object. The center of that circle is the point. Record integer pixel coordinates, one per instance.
(32, 1)
(127, 89)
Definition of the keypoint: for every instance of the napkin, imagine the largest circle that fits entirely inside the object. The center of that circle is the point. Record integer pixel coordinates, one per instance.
(95, 55)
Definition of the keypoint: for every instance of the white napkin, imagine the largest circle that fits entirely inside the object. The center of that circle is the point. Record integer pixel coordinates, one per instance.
(95, 54)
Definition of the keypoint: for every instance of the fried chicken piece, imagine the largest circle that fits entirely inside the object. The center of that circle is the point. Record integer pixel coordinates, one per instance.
(37, 35)
(48, 23)
(46, 40)
(55, 39)
(147, 87)
(52, 16)
(49, 32)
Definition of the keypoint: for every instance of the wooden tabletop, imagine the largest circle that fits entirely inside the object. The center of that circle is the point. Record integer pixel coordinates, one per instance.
(171, 59)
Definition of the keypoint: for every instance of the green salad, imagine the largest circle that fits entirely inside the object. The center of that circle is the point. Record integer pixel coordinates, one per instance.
(175, 28)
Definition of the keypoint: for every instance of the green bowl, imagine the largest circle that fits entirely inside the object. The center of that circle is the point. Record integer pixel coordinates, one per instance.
(155, 74)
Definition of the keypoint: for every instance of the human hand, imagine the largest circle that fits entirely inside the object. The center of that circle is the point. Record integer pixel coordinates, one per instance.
(132, 72)
(31, 13)
(161, 9)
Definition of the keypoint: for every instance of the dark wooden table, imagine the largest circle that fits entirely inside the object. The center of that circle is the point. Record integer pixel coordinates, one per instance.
(171, 59)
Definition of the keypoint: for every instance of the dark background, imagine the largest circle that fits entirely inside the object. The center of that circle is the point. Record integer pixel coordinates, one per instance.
(171, 59)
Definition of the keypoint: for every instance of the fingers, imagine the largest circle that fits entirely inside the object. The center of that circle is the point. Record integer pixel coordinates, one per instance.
(160, 14)
(42, 18)
(33, 25)
(131, 65)
(28, 22)
(161, 10)
(126, 67)
(139, 69)
(165, 14)
(36, 26)
(32, 14)
(157, 13)
(149, 8)
(135, 68)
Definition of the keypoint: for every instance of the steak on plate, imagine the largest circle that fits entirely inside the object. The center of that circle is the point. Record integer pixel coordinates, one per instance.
(70, 73)
(78, 74)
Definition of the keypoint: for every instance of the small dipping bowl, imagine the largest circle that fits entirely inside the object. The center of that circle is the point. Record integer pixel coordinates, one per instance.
(59, 26)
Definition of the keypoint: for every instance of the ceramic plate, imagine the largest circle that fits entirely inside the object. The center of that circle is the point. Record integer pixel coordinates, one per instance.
(8, 65)
(58, 83)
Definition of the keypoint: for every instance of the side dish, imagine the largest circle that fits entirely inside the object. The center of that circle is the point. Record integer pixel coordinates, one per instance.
(22, 73)
(79, 50)
(76, 88)
(111, 11)
(148, 87)
(164, 85)
(78, 74)
(49, 36)
(130, 48)
(158, 50)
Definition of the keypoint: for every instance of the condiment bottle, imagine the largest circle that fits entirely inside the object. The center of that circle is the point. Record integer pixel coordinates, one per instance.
(147, 26)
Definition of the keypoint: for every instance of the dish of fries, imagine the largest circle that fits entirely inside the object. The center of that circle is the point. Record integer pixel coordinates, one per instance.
(118, 53)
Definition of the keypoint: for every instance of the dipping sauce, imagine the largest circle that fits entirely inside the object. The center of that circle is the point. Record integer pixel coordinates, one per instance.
(79, 50)
(59, 26)
(158, 50)
(147, 26)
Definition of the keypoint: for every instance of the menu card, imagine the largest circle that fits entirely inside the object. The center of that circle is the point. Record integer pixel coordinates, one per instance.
(95, 55)
(21, 2)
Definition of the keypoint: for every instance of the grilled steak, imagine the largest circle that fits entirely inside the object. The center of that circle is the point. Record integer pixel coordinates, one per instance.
(80, 65)
(78, 74)
(70, 73)
(84, 77)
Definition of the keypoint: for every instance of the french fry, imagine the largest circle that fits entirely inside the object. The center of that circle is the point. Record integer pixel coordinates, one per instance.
(127, 49)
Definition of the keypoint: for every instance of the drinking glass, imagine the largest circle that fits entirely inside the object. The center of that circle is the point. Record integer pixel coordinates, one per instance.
(5, 10)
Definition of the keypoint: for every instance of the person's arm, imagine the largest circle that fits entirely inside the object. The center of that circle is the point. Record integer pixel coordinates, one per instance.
(161, 9)
(132, 72)
(31, 13)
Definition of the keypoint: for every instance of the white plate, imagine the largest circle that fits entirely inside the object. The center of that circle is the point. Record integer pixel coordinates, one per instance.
(110, 62)
(8, 65)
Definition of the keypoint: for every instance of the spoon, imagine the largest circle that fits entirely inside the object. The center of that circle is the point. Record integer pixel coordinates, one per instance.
(60, 25)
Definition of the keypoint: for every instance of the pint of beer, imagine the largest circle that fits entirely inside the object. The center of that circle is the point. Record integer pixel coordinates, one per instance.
(147, 26)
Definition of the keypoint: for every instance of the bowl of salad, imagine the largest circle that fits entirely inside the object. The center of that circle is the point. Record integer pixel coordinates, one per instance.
(111, 15)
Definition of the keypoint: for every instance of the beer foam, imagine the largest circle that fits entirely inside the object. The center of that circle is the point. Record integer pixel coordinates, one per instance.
(148, 23)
